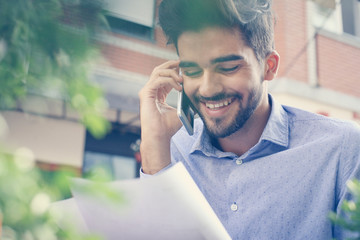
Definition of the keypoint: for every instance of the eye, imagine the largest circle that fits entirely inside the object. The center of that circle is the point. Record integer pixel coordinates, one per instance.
(227, 69)
(195, 72)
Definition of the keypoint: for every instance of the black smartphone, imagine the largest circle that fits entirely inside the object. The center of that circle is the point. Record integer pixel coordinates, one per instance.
(185, 112)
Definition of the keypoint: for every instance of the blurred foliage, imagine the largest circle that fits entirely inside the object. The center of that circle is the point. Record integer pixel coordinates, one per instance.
(351, 221)
(25, 198)
(26, 194)
(47, 47)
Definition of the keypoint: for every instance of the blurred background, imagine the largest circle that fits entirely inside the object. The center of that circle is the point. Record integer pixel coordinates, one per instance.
(318, 41)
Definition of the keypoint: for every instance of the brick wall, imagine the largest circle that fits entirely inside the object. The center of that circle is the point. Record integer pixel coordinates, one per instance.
(338, 66)
(130, 60)
(291, 37)
(337, 61)
(134, 61)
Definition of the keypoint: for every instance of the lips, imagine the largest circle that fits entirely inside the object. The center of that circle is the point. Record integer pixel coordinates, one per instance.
(217, 105)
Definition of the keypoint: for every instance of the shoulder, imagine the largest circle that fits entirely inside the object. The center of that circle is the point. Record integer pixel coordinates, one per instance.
(307, 121)
(332, 138)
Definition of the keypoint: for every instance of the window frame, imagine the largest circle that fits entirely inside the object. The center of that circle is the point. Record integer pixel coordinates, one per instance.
(126, 26)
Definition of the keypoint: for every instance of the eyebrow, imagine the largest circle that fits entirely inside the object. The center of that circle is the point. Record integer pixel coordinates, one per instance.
(185, 64)
(228, 58)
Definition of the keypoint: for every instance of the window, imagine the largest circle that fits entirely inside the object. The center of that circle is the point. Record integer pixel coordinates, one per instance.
(135, 17)
(113, 154)
(117, 167)
(119, 25)
(327, 15)
(351, 16)
(338, 16)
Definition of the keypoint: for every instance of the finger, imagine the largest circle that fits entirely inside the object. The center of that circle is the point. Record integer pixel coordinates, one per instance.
(152, 87)
(162, 94)
(172, 64)
(167, 69)
(165, 75)
(167, 82)
(170, 73)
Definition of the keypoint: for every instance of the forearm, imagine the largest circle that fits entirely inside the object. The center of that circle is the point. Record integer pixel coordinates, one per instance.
(154, 156)
(159, 121)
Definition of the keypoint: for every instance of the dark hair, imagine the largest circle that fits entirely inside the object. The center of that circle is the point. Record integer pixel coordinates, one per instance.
(254, 19)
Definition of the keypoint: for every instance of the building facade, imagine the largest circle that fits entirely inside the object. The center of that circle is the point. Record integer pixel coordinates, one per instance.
(319, 45)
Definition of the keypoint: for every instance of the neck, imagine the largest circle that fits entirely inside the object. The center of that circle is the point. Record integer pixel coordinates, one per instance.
(246, 137)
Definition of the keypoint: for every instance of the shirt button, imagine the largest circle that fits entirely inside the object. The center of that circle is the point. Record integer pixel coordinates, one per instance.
(239, 161)
(234, 207)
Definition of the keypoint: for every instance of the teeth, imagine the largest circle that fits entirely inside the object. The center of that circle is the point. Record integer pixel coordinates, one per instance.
(217, 105)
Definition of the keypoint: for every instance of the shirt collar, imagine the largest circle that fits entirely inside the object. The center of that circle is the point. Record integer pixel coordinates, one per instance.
(277, 127)
(276, 131)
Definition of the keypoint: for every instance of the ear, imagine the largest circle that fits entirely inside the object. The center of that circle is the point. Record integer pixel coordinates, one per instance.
(272, 62)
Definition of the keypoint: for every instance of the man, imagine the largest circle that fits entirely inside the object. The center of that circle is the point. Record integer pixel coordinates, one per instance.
(269, 171)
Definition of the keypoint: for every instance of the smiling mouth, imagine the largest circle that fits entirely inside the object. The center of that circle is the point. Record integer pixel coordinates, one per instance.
(217, 105)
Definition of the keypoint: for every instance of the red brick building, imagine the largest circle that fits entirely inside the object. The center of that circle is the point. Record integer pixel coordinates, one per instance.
(319, 45)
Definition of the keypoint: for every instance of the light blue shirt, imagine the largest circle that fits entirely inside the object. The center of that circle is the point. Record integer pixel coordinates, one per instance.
(285, 186)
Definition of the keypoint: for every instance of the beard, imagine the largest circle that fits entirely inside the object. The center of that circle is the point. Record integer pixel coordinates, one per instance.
(218, 128)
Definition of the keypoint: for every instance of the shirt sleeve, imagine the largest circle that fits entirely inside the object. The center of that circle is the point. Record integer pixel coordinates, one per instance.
(144, 175)
(349, 169)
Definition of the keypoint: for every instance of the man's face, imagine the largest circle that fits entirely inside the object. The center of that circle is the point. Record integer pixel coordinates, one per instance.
(222, 77)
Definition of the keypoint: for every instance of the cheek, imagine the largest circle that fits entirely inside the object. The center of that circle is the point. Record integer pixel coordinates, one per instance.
(189, 87)
(241, 83)
(247, 80)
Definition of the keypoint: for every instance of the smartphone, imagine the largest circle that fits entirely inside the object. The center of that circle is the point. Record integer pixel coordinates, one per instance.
(185, 112)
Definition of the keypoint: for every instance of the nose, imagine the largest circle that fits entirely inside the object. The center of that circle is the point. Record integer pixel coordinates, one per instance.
(210, 84)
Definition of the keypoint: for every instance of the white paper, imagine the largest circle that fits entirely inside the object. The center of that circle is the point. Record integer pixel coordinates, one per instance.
(68, 215)
(167, 206)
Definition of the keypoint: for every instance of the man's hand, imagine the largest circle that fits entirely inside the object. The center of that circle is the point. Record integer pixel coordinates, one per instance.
(159, 121)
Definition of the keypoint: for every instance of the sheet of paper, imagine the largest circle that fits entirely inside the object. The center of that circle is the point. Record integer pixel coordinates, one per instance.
(167, 206)
(68, 215)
